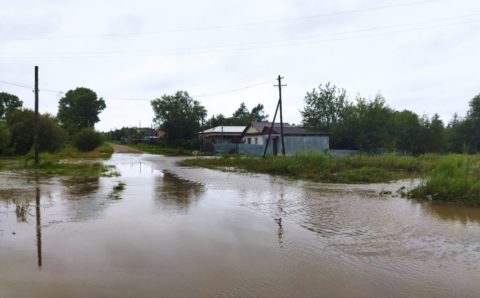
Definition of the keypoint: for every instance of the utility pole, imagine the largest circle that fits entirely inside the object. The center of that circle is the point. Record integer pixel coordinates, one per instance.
(36, 128)
(281, 113)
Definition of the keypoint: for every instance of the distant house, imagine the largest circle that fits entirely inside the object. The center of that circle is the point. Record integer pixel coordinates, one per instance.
(220, 135)
(296, 139)
(152, 135)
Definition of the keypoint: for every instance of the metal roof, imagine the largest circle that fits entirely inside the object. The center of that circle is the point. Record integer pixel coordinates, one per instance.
(224, 129)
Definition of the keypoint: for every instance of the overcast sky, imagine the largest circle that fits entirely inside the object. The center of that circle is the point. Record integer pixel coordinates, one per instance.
(421, 55)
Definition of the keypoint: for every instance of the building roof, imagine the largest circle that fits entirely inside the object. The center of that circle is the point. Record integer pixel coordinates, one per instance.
(263, 128)
(237, 130)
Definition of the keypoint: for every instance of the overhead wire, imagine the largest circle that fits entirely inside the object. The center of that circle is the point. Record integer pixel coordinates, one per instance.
(254, 45)
(226, 26)
(147, 99)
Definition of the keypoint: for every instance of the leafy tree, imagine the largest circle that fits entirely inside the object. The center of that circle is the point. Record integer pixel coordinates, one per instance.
(406, 131)
(324, 107)
(179, 115)
(242, 111)
(4, 138)
(241, 117)
(215, 121)
(372, 120)
(472, 123)
(21, 123)
(258, 113)
(79, 109)
(8, 103)
(456, 135)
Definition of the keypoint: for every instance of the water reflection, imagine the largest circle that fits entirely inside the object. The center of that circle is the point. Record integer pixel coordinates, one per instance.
(21, 210)
(175, 192)
(38, 226)
(463, 215)
(78, 188)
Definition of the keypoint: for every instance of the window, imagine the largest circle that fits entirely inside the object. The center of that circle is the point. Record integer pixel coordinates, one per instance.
(249, 140)
(256, 141)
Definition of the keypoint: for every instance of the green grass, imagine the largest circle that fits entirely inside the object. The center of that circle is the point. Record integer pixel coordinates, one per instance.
(153, 149)
(104, 151)
(68, 162)
(322, 167)
(453, 179)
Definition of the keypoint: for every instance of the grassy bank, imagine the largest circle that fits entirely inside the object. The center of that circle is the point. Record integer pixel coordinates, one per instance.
(154, 149)
(449, 178)
(68, 162)
(452, 179)
(324, 168)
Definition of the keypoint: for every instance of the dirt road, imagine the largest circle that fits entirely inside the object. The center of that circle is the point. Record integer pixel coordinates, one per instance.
(124, 149)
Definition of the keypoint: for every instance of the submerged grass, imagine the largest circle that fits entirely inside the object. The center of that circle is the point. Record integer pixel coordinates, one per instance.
(159, 150)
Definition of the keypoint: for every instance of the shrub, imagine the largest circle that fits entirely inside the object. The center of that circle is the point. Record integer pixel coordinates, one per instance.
(87, 140)
(21, 123)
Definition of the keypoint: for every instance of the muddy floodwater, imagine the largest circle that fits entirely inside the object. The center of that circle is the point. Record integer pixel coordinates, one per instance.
(188, 232)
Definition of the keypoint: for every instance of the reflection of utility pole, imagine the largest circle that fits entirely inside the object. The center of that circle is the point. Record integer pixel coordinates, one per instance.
(39, 226)
(280, 214)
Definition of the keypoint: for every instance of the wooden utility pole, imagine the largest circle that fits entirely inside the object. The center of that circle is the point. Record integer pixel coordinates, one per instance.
(271, 129)
(36, 128)
(281, 112)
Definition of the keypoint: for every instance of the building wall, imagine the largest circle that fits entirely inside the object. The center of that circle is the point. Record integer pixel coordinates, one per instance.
(254, 140)
(293, 145)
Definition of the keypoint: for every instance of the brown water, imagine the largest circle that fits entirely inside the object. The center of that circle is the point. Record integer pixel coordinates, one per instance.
(188, 232)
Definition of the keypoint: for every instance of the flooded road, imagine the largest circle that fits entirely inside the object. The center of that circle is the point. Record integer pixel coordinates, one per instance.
(188, 232)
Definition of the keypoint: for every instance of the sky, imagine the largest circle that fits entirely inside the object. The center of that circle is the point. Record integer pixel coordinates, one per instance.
(420, 55)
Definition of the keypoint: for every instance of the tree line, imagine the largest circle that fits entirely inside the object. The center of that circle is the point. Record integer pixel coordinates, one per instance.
(182, 117)
(78, 112)
(372, 126)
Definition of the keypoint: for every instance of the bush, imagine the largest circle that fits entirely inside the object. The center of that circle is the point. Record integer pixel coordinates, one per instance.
(21, 124)
(87, 140)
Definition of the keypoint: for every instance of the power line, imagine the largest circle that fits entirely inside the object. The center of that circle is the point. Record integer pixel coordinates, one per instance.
(146, 99)
(251, 45)
(219, 27)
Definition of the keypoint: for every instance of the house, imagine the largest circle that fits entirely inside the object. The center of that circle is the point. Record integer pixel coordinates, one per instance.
(151, 135)
(296, 139)
(220, 135)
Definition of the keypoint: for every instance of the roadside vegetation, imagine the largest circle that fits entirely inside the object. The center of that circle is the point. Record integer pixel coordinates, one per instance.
(68, 144)
(324, 168)
(451, 178)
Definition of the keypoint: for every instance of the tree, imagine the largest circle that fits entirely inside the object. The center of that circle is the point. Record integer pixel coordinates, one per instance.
(21, 123)
(8, 103)
(179, 115)
(4, 138)
(324, 108)
(79, 109)
(258, 113)
(406, 131)
(472, 123)
(242, 111)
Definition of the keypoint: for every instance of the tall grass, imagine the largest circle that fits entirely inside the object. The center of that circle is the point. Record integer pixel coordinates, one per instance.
(453, 178)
